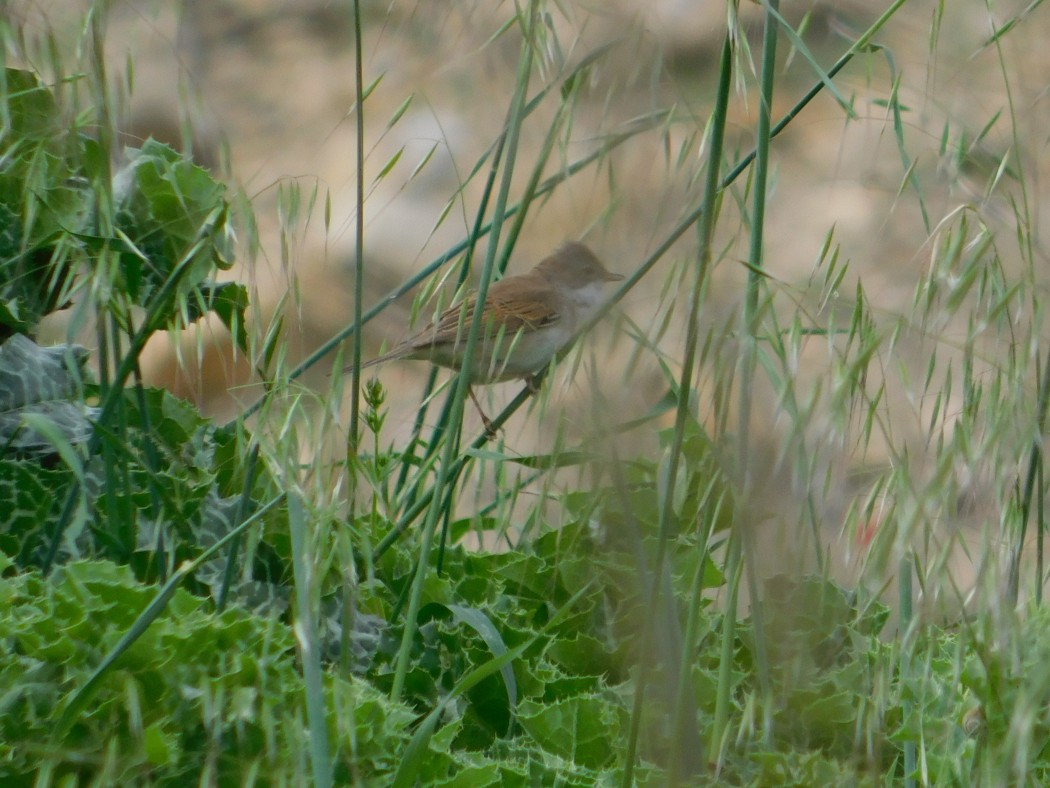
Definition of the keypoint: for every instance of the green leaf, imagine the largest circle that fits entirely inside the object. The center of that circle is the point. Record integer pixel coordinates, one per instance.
(413, 756)
(229, 301)
(483, 625)
(169, 211)
(41, 410)
(390, 164)
(401, 109)
(583, 729)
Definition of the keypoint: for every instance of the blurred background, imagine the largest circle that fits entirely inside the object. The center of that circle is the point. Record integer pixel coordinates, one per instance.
(263, 91)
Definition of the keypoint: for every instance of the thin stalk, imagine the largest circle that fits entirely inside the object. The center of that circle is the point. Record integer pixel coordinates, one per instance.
(1026, 221)
(706, 232)
(432, 446)
(905, 577)
(309, 643)
(748, 359)
(413, 439)
(1040, 534)
(449, 459)
(359, 236)
(519, 211)
(725, 662)
(151, 460)
(244, 508)
(422, 503)
(533, 186)
(1034, 463)
(110, 462)
(684, 702)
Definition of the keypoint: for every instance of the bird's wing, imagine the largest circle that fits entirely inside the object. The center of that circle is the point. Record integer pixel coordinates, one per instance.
(446, 327)
(526, 306)
(529, 306)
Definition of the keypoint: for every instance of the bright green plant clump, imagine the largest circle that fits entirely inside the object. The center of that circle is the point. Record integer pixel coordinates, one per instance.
(199, 697)
(138, 249)
(151, 234)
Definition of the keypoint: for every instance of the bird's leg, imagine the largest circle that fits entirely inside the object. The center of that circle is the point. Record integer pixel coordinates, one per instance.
(533, 382)
(489, 429)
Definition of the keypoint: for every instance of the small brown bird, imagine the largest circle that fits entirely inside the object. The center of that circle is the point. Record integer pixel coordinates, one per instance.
(526, 320)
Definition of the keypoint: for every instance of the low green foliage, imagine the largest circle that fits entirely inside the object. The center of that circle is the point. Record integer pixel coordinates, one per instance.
(199, 694)
(224, 690)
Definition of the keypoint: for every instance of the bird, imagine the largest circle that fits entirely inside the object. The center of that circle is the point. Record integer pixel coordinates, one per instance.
(526, 320)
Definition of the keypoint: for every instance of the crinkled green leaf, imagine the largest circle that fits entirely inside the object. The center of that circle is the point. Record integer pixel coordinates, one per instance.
(191, 672)
(171, 211)
(44, 383)
(582, 655)
(583, 729)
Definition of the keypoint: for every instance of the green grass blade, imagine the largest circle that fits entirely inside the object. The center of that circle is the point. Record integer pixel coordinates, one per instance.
(309, 644)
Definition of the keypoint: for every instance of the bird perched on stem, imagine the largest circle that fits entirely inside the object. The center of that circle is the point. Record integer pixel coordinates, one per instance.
(525, 321)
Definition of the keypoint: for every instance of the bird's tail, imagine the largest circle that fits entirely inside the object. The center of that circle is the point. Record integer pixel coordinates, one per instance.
(375, 361)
